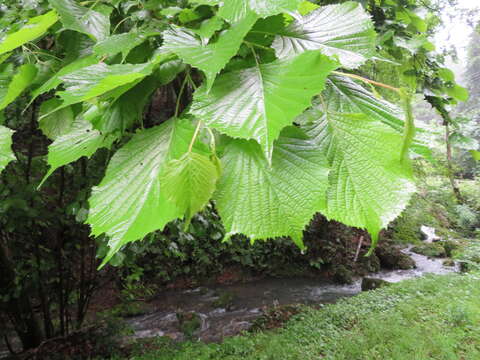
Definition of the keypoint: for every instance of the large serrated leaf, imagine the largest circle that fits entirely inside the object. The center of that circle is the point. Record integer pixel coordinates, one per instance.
(368, 185)
(95, 80)
(34, 28)
(126, 110)
(82, 19)
(257, 103)
(235, 10)
(57, 124)
(121, 43)
(20, 81)
(343, 30)
(56, 79)
(129, 203)
(189, 182)
(6, 153)
(263, 201)
(346, 96)
(211, 58)
(81, 140)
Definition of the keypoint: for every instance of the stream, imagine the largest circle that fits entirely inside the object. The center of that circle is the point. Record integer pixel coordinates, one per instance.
(248, 301)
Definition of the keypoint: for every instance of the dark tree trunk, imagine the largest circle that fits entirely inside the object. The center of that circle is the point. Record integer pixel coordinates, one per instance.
(18, 309)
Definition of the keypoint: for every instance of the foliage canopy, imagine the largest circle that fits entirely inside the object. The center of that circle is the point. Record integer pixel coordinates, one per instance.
(273, 133)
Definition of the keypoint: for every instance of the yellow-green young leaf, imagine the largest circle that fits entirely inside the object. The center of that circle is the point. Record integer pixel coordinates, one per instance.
(20, 81)
(235, 10)
(263, 201)
(129, 203)
(6, 154)
(257, 103)
(212, 57)
(81, 140)
(475, 154)
(344, 30)
(58, 123)
(82, 19)
(33, 29)
(189, 182)
(458, 92)
(368, 185)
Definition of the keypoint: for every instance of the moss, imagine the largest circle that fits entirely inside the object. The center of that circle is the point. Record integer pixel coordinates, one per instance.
(372, 284)
(342, 275)
(430, 250)
(448, 262)
(450, 247)
(189, 323)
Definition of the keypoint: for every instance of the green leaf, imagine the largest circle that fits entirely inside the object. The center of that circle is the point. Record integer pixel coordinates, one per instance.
(121, 43)
(20, 81)
(56, 79)
(446, 74)
(209, 27)
(368, 185)
(34, 28)
(129, 203)
(189, 182)
(81, 19)
(235, 10)
(263, 201)
(6, 154)
(95, 80)
(82, 140)
(127, 109)
(343, 30)
(457, 92)
(211, 58)
(475, 154)
(57, 124)
(346, 96)
(257, 103)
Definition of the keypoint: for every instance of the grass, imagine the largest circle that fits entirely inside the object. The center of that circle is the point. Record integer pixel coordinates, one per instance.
(436, 317)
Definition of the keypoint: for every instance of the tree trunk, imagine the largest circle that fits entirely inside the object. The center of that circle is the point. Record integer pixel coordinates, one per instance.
(18, 309)
(451, 175)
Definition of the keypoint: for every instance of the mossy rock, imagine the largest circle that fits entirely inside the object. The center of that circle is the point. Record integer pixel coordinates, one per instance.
(224, 301)
(392, 258)
(449, 247)
(342, 275)
(372, 283)
(430, 250)
(189, 323)
(448, 262)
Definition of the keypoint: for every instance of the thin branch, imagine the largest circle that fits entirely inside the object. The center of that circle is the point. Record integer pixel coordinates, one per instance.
(180, 94)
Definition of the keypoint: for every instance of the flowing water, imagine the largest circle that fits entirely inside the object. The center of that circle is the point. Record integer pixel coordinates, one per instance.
(250, 299)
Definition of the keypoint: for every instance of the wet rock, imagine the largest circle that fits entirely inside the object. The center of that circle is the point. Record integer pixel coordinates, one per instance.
(392, 258)
(449, 247)
(430, 250)
(224, 301)
(372, 283)
(448, 262)
(342, 275)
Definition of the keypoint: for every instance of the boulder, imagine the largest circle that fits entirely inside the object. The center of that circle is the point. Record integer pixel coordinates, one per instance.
(392, 258)
(430, 250)
(372, 283)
